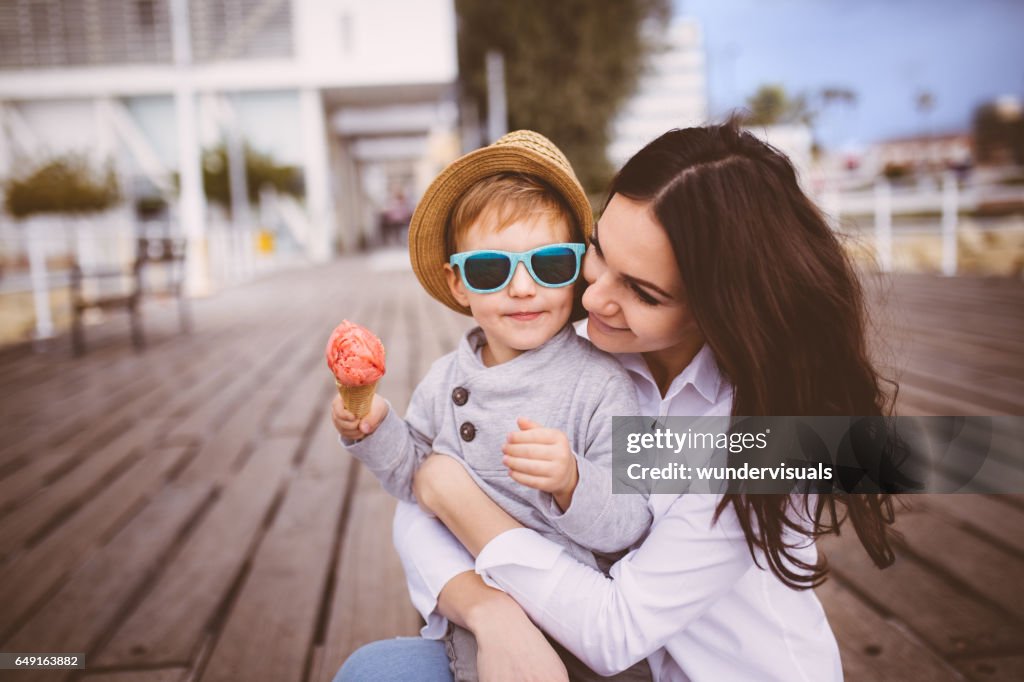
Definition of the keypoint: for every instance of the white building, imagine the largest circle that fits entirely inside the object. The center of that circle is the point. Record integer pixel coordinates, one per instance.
(359, 95)
(672, 94)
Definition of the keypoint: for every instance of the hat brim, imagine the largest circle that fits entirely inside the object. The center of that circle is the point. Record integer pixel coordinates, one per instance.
(428, 226)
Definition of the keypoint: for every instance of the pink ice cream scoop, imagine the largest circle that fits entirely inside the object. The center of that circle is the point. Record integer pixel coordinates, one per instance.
(355, 355)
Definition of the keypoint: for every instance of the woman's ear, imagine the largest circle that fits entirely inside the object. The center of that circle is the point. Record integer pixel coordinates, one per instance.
(455, 285)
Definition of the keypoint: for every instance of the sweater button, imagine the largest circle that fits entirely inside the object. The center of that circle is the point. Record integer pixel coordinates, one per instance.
(460, 396)
(467, 431)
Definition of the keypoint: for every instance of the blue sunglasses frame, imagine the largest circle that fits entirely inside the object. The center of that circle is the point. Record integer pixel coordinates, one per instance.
(459, 259)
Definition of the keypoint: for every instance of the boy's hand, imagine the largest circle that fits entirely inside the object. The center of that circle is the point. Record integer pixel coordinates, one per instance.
(354, 429)
(541, 458)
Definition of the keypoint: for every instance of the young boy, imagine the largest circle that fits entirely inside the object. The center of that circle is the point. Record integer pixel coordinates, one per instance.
(524, 403)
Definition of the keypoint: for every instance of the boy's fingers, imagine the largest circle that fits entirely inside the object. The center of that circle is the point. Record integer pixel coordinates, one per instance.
(532, 467)
(525, 423)
(339, 411)
(537, 435)
(364, 426)
(538, 482)
(527, 450)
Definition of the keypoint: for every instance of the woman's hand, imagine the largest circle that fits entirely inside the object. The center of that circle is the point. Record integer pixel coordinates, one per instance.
(516, 651)
(509, 646)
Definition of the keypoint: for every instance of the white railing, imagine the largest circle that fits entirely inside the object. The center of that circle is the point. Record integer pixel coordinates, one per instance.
(939, 205)
(37, 253)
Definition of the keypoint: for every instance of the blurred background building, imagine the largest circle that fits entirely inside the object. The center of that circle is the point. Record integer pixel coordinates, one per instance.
(351, 103)
(672, 93)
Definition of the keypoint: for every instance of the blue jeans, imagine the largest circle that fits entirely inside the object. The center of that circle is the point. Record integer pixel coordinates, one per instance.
(396, 660)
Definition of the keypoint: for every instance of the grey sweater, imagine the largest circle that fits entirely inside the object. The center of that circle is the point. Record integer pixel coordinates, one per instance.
(465, 409)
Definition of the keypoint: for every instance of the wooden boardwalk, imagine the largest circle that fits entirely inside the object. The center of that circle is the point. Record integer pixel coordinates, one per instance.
(187, 513)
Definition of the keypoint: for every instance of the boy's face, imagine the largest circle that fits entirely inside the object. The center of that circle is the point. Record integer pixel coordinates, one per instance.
(524, 314)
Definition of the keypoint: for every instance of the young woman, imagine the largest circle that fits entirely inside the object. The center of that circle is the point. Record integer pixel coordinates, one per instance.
(722, 290)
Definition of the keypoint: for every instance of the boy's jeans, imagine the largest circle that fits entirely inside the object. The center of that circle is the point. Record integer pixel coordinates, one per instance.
(411, 659)
(450, 660)
(460, 645)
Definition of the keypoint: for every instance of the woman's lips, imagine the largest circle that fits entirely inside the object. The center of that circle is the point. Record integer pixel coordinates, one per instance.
(524, 317)
(604, 326)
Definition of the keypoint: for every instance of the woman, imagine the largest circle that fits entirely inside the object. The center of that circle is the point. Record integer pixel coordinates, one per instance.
(723, 291)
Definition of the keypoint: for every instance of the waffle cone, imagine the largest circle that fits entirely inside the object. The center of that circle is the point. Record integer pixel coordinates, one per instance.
(357, 399)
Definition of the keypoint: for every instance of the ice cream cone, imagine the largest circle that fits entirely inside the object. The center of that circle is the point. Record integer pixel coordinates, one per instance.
(357, 399)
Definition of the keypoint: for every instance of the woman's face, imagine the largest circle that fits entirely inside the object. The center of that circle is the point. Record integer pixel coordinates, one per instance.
(635, 295)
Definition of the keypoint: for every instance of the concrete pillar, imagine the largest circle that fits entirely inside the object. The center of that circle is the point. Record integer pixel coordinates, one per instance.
(319, 202)
(950, 205)
(883, 224)
(191, 199)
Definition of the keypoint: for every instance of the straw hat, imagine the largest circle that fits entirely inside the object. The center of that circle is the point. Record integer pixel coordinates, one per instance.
(522, 151)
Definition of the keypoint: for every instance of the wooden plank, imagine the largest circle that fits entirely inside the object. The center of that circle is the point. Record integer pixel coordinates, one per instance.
(168, 624)
(325, 457)
(60, 413)
(982, 567)
(872, 648)
(983, 515)
(176, 396)
(33, 574)
(78, 614)
(76, 487)
(81, 430)
(161, 675)
(230, 390)
(972, 390)
(370, 600)
(994, 668)
(269, 632)
(952, 623)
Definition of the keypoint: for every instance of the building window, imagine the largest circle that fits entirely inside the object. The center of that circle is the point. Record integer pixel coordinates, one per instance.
(146, 13)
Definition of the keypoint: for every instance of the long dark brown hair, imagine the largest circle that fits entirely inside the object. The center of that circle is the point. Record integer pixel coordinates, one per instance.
(779, 304)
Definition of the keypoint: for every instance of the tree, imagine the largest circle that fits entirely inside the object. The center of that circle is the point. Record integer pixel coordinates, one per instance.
(771, 105)
(569, 67)
(64, 184)
(999, 132)
(260, 169)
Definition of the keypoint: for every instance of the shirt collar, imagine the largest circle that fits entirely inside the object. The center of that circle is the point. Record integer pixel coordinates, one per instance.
(702, 372)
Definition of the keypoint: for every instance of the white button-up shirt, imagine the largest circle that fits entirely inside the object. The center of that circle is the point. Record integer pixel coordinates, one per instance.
(689, 599)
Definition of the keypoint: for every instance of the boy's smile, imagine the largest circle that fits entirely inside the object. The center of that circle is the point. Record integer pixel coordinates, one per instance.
(523, 315)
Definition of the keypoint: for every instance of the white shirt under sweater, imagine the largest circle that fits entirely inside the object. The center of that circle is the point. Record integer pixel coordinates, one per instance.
(689, 598)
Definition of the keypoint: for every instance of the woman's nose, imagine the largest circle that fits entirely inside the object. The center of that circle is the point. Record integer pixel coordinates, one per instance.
(597, 298)
(522, 283)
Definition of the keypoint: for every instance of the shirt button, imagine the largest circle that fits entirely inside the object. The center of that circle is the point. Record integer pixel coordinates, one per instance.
(467, 431)
(460, 396)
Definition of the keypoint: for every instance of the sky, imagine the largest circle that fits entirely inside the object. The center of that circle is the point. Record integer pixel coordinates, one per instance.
(964, 52)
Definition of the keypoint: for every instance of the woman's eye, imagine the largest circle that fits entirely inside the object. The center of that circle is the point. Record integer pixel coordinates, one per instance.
(643, 295)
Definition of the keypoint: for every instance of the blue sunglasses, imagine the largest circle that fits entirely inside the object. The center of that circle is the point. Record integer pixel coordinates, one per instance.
(553, 265)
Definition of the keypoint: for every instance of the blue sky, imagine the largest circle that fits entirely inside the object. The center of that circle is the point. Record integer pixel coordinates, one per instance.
(962, 51)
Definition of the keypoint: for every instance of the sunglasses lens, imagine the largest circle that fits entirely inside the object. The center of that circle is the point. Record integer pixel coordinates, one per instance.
(486, 270)
(555, 265)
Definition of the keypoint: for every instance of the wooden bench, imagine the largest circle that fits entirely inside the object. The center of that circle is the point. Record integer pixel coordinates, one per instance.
(167, 252)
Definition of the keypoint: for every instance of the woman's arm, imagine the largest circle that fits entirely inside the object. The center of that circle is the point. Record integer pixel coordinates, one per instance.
(683, 567)
(509, 646)
(442, 583)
